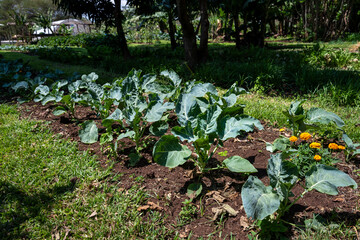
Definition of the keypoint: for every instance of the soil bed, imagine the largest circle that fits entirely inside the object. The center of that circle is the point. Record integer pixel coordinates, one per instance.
(167, 187)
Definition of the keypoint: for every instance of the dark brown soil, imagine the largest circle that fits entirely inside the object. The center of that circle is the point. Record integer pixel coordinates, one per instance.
(167, 187)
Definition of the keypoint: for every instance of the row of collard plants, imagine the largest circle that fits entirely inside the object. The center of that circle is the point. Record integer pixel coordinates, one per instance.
(130, 106)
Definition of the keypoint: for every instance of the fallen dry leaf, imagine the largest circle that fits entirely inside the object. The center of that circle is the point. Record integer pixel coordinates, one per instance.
(94, 213)
(150, 205)
(244, 222)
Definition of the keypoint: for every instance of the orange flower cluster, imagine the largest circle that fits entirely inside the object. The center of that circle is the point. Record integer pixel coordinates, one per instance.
(340, 147)
(317, 157)
(333, 146)
(293, 139)
(315, 145)
(305, 136)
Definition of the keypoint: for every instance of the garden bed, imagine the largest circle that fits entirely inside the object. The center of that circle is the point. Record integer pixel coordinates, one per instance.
(167, 187)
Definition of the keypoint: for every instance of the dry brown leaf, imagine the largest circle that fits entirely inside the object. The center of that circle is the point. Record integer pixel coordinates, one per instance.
(232, 212)
(150, 205)
(244, 222)
(339, 199)
(94, 213)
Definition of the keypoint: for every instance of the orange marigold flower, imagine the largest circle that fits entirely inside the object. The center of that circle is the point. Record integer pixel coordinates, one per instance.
(305, 136)
(333, 146)
(281, 129)
(317, 157)
(293, 139)
(315, 145)
(341, 147)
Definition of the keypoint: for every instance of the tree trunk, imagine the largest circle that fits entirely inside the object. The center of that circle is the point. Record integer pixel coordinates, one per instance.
(204, 20)
(237, 29)
(172, 30)
(189, 36)
(120, 30)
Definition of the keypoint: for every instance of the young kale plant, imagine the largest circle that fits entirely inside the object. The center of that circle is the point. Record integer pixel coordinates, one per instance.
(268, 204)
(301, 120)
(141, 100)
(206, 120)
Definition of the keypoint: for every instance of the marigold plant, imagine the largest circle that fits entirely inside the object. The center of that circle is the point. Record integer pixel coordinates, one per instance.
(293, 139)
(333, 146)
(305, 136)
(315, 145)
(317, 157)
(341, 147)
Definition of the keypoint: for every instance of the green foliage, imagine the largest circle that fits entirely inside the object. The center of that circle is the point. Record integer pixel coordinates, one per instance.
(206, 120)
(78, 40)
(301, 120)
(262, 202)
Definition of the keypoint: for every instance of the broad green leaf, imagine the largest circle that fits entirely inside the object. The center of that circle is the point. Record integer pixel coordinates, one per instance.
(207, 121)
(280, 171)
(116, 115)
(280, 144)
(96, 91)
(159, 128)
(128, 134)
(92, 77)
(199, 90)
(326, 179)
(74, 86)
(42, 90)
(318, 115)
(59, 110)
(248, 124)
(228, 128)
(20, 85)
(296, 108)
(48, 98)
(230, 100)
(115, 93)
(147, 80)
(239, 164)
(234, 110)
(184, 133)
(89, 132)
(194, 190)
(259, 200)
(176, 80)
(234, 89)
(169, 152)
(157, 111)
(187, 109)
(59, 84)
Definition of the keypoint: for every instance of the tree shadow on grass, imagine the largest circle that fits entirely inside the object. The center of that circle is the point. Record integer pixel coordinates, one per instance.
(25, 207)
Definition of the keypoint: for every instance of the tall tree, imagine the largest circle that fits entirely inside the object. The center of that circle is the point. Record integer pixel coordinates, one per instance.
(193, 54)
(100, 11)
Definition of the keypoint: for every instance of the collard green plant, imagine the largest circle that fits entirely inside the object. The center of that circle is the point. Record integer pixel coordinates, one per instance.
(141, 100)
(261, 202)
(206, 120)
(301, 120)
(351, 149)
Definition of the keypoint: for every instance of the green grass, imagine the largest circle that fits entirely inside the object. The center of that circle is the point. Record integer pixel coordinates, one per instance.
(49, 190)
